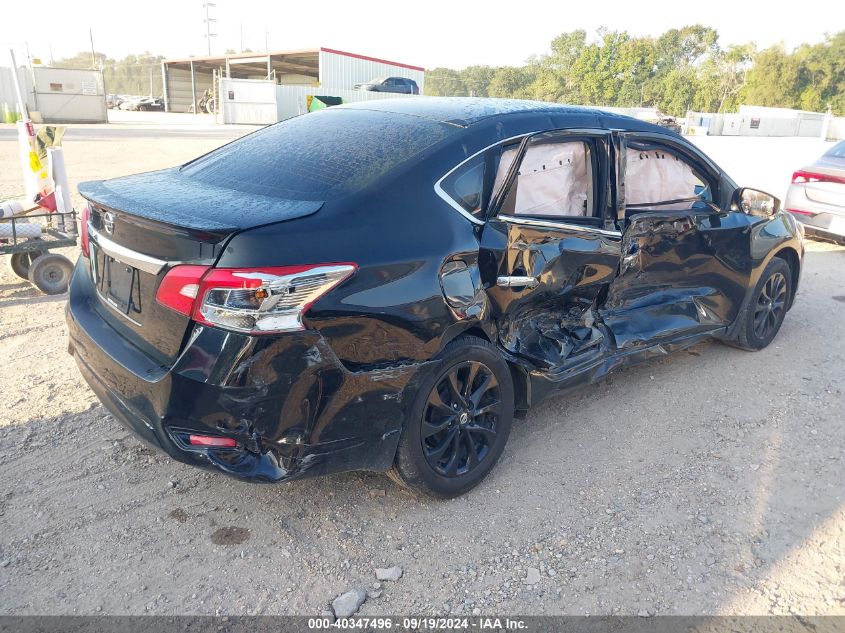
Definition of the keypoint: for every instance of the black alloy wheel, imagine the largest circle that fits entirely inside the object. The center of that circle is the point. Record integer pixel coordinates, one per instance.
(770, 306)
(762, 318)
(459, 423)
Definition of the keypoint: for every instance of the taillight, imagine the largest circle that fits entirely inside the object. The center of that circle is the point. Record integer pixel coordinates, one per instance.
(802, 176)
(84, 218)
(180, 287)
(254, 300)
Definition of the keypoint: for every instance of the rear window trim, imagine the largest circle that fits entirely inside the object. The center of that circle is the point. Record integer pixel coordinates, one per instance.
(438, 186)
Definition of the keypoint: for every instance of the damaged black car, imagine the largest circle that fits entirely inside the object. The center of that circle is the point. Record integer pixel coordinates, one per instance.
(388, 285)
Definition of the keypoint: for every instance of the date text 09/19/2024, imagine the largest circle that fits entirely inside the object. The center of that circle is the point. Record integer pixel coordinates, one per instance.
(418, 623)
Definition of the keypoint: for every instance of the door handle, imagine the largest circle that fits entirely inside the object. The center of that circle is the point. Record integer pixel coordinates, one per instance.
(520, 281)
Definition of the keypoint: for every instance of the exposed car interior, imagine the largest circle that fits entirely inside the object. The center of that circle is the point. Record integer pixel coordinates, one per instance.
(657, 176)
(554, 180)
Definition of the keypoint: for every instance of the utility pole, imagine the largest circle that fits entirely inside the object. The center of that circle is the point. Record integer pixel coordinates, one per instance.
(93, 56)
(241, 49)
(208, 20)
(266, 34)
(21, 103)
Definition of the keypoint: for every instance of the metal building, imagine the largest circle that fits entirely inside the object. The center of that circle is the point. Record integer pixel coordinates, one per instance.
(57, 95)
(267, 87)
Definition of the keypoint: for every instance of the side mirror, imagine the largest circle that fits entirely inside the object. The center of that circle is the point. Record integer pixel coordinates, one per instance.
(756, 202)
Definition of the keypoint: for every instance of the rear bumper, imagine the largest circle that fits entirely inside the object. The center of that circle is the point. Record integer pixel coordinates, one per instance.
(818, 218)
(293, 408)
(811, 230)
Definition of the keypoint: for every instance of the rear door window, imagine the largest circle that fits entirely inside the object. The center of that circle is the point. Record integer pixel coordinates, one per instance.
(472, 184)
(466, 185)
(555, 179)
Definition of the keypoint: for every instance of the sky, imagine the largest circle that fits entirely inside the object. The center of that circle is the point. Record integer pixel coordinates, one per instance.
(432, 33)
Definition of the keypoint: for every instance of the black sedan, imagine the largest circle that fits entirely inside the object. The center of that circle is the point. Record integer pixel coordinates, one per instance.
(388, 285)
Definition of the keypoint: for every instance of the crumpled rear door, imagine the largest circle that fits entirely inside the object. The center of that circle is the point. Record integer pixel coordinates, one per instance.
(546, 259)
(546, 282)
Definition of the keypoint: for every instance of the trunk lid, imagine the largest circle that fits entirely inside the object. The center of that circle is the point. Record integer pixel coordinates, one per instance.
(832, 193)
(141, 226)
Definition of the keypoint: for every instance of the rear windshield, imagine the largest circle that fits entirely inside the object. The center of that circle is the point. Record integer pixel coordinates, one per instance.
(318, 156)
(837, 151)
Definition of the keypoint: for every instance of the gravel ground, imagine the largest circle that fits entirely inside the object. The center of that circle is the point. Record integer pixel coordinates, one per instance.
(708, 482)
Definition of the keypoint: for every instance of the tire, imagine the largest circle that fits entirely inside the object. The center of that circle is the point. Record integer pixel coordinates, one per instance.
(767, 308)
(51, 273)
(210, 105)
(19, 263)
(435, 455)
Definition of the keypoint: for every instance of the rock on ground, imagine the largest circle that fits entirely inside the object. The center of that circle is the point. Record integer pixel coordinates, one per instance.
(532, 576)
(389, 573)
(348, 603)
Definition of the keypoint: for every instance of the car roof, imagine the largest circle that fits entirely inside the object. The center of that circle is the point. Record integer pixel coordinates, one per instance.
(465, 111)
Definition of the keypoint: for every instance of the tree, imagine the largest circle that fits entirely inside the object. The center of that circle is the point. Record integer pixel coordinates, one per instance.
(134, 74)
(598, 72)
(684, 47)
(679, 91)
(511, 82)
(822, 73)
(476, 79)
(635, 67)
(444, 82)
(721, 78)
(82, 60)
(774, 80)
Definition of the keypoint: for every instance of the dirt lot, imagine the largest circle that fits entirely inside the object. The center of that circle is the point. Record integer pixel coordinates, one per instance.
(706, 482)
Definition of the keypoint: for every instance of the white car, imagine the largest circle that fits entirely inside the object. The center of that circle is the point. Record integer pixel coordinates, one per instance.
(816, 197)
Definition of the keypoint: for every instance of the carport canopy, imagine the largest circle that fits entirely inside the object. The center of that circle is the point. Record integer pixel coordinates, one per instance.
(267, 65)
